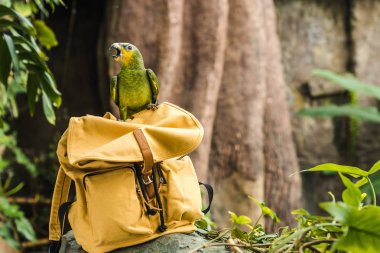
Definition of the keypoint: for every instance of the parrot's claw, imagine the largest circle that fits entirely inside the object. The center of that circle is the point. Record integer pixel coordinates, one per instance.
(152, 106)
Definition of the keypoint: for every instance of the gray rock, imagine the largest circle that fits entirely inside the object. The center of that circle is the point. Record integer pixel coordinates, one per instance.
(179, 243)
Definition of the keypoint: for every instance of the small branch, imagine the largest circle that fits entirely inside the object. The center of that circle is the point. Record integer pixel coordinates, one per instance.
(309, 244)
(211, 241)
(234, 248)
(37, 243)
(31, 201)
(216, 244)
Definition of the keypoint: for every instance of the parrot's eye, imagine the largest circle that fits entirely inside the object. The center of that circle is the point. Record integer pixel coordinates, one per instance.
(129, 47)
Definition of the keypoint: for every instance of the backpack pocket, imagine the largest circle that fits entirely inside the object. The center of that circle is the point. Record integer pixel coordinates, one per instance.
(114, 208)
(181, 193)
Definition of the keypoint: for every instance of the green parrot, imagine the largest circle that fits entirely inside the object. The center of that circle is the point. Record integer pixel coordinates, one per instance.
(134, 88)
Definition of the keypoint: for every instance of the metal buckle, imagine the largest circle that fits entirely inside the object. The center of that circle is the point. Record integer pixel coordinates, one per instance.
(149, 181)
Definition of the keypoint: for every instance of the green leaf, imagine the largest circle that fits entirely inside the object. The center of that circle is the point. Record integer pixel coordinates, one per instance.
(242, 220)
(45, 35)
(3, 164)
(23, 8)
(239, 220)
(202, 224)
(48, 85)
(4, 11)
(14, 190)
(5, 61)
(353, 171)
(351, 195)
(7, 3)
(374, 168)
(48, 108)
(300, 211)
(29, 45)
(239, 234)
(363, 227)
(265, 209)
(349, 82)
(361, 182)
(11, 48)
(32, 88)
(25, 228)
(370, 114)
(22, 159)
(41, 7)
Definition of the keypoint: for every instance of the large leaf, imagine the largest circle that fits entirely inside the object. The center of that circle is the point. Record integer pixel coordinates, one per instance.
(370, 114)
(48, 108)
(45, 35)
(349, 83)
(5, 61)
(363, 227)
(353, 171)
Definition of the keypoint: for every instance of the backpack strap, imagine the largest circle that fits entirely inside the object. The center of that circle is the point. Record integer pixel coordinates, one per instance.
(147, 166)
(60, 196)
(210, 193)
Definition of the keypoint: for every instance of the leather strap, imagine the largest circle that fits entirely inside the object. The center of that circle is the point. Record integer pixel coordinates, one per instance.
(146, 170)
(60, 196)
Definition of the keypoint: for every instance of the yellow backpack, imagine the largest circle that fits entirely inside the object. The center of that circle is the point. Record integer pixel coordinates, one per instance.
(133, 180)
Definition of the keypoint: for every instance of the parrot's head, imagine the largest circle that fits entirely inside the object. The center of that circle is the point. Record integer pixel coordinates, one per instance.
(127, 55)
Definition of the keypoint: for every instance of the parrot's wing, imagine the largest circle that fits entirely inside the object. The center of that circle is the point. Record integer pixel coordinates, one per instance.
(114, 90)
(153, 81)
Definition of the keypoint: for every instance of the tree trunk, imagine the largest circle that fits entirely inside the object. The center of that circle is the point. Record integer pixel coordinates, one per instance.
(313, 34)
(365, 23)
(221, 61)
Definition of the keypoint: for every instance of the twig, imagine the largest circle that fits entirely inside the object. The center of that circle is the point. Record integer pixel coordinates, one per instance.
(308, 244)
(37, 243)
(31, 201)
(217, 244)
(234, 248)
(211, 241)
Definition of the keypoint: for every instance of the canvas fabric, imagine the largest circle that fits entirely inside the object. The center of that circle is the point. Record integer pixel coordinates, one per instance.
(98, 155)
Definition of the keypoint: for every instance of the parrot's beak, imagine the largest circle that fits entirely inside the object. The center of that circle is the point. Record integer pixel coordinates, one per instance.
(116, 50)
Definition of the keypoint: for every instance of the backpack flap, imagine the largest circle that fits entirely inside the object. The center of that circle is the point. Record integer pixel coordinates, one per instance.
(169, 130)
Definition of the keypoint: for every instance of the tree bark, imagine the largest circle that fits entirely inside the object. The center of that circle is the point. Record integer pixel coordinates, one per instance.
(313, 35)
(365, 26)
(220, 60)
